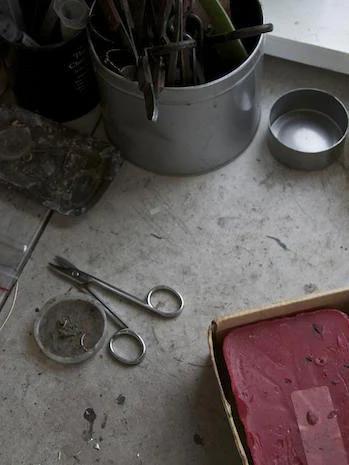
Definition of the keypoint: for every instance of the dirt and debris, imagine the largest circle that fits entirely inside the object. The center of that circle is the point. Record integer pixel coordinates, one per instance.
(104, 421)
(88, 435)
(279, 242)
(63, 325)
(312, 418)
(121, 399)
(198, 439)
(156, 236)
(68, 452)
(318, 329)
(310, 288)
(332, 414)
(90, 416)
(320, 361)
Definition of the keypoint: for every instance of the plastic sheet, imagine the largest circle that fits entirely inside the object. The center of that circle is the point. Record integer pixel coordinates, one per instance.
(12, 255)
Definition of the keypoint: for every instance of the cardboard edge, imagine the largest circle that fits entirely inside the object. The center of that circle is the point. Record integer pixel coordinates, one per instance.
(226, 404)
(338, 298)
(284, 307)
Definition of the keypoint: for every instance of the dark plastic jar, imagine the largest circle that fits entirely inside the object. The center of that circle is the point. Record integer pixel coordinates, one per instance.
(56, 80)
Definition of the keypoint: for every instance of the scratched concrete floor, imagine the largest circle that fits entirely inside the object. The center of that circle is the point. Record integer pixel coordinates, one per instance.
(207, 236)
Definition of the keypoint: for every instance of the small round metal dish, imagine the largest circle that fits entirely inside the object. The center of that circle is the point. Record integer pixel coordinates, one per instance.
(307, 129)
(70, 329)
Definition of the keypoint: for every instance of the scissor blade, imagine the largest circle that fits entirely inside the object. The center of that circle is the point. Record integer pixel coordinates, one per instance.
(64, 263)
(59, 269)
(68, 270)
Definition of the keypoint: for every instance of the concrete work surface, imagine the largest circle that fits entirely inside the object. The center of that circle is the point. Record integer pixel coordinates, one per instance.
(307, 37)
(249, 234)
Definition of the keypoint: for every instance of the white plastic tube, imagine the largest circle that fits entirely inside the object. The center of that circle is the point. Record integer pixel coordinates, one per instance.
(73, 15)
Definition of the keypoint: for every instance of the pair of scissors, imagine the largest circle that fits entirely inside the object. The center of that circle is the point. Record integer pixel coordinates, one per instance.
(84, 280)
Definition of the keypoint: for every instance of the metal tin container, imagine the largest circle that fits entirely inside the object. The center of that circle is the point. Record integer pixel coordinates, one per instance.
(200, 128)
(307, 129)
(71, 329)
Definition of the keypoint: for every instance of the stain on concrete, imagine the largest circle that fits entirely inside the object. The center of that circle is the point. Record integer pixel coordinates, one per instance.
(90, 416)
(224, 221)
(310, 288)
(198, 440)
(156, 236)
(279, 242)
(104, 422)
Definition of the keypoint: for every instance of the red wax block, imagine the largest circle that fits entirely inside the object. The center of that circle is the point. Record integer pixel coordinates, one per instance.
(290, 379)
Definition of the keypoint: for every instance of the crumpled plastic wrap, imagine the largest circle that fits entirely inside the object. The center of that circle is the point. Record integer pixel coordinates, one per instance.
(56, 166)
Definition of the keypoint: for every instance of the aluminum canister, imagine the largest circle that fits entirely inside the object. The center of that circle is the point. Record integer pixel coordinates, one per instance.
(199, 129)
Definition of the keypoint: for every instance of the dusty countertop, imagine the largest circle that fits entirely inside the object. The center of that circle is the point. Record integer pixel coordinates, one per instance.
(246, 235)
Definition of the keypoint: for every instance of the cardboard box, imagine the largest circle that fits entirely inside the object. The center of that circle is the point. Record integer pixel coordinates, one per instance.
(338, 299)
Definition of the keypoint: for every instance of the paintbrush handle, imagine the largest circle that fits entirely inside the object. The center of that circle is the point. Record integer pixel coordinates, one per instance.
(242, 33)
(111, 14)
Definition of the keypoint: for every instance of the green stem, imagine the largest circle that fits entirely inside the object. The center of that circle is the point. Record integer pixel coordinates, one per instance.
(222, 24)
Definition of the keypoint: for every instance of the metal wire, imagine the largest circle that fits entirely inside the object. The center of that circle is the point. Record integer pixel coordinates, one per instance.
(11, 308)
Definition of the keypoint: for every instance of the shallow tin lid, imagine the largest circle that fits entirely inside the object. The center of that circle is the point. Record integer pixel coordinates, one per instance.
(306, 127)
(70, 329)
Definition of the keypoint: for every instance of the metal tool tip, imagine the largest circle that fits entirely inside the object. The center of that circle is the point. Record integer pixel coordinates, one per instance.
(53, 266)
(62, 262)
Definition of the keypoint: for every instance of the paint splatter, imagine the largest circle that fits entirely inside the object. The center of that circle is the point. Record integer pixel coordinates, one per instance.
(90, 416)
